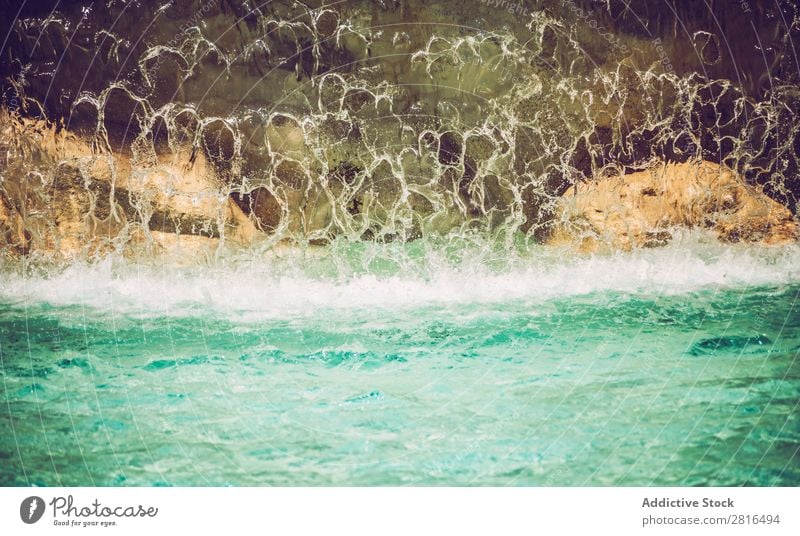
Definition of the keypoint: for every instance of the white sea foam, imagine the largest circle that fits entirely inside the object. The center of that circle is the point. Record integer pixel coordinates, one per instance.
(270, 287)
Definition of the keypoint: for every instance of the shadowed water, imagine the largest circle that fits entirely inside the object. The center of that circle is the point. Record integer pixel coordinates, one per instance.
(611, 385)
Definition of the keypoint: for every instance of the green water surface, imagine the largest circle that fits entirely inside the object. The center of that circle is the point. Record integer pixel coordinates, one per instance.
(608, 388)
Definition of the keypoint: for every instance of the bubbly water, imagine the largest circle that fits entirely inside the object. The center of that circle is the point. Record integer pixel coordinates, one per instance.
(364, 365)
(396, 319)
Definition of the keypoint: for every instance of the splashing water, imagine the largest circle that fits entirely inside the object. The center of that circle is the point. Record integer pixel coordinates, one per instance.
(400, 120)
(673, 367)
(393, 316)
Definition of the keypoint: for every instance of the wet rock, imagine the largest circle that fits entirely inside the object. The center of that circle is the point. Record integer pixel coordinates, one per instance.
(263, 206)
(12, 230)
(639, 209)
(170, 248)
(60, 195)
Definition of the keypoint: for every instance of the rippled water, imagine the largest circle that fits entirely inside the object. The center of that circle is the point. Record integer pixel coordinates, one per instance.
(666, 367)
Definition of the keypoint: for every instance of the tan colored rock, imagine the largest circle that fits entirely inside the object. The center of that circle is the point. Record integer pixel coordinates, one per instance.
(12, 231)
(185, 198)
(170, 248)
(641, 209)
(60, 195)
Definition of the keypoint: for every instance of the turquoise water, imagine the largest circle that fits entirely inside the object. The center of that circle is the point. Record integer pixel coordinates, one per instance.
(668, 367)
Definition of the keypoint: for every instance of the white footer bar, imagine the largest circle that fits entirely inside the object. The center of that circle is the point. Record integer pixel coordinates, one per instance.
(382, 511)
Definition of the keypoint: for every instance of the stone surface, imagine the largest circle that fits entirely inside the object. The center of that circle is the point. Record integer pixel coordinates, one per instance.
(641, 209)
(60, 195)
(171, 248)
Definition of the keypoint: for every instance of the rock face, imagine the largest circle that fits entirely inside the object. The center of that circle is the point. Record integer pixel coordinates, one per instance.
(641, 209)
(60, 196)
